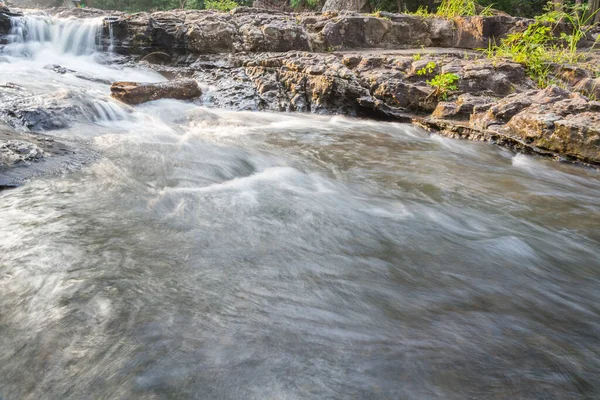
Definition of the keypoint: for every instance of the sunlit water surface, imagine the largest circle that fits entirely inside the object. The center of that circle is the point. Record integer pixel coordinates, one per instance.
(214, 254)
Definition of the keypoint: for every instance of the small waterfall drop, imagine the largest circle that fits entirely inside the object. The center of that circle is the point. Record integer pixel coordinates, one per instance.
(32, 33)
(106, 111)
(111, 35)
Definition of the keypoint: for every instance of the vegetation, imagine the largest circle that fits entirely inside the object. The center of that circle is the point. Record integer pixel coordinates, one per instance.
(457, 8)
(221, 5)
(427, 69)
(538, 48)
(443, 85)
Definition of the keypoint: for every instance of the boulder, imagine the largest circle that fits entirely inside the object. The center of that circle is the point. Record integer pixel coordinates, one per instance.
(137, 93)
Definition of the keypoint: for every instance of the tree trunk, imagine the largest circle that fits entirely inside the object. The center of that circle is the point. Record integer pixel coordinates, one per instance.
(595, 8)
(347, 5)
(401, 6)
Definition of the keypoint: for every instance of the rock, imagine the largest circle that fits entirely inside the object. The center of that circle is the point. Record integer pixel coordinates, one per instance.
(184, 32)
(137, 93)
(157, 58)
(503, 111)
(13, 152)
(23, 156)
(58, 69)
(463, 107)
(566, 123)
(551, 121)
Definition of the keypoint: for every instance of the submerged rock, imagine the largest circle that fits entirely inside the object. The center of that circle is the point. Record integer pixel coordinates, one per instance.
(14, 152)
(137, 93)
(24, 155)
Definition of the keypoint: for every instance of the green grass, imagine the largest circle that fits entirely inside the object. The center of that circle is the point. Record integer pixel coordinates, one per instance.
(457, 8)
(220, 5)
(538, 48)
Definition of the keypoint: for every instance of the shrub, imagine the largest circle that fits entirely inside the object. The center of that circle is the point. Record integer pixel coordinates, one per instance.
(221, 5)
(537, 48)
(457, 8)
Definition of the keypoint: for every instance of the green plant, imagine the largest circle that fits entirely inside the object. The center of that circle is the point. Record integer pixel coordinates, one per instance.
(417, 56)
(457, 8)
(422, 11)
(538, 47)
(443, 84)
(221, 5)
(427, 69)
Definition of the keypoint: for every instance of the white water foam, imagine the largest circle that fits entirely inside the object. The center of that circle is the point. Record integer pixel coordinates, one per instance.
(31, 33)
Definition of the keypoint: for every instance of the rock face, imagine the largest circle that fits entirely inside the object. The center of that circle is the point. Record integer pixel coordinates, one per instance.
(552, 120)
(253, 30)
(137, 93)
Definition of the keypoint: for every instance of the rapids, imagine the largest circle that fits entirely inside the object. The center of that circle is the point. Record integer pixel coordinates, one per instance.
(214, 254)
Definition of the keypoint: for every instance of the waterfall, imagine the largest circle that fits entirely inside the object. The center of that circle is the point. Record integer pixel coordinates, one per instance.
(106, 110)
(32, 33)
(111, 37)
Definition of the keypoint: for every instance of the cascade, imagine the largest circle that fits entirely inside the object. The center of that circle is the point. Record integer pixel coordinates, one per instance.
(32, 33)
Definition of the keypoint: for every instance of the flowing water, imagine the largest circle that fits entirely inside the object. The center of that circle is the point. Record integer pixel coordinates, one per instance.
(214, 254)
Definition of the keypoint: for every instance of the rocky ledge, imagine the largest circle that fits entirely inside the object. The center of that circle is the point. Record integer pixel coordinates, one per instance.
(258, 30)
(552, 121)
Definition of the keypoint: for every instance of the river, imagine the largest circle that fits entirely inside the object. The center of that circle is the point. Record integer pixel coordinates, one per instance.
(215, 254)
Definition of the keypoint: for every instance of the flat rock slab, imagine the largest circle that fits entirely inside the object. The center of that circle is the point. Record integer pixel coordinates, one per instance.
(137, 93)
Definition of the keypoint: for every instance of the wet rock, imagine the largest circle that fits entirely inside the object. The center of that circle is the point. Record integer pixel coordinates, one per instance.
(23, 156)
(137, 93)
(5, 25)
(27, 111)
(157, 58)
(58, 69)
(13, 152)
